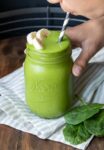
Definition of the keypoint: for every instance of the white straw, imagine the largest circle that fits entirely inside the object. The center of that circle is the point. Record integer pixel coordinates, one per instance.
(64, 26)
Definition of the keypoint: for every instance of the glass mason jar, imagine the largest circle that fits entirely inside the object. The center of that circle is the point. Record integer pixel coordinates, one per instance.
(48, 80)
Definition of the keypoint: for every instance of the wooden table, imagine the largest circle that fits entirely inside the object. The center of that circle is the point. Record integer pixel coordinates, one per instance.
(11, 58)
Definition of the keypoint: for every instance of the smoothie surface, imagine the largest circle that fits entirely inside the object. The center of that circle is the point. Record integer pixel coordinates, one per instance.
(51, 44)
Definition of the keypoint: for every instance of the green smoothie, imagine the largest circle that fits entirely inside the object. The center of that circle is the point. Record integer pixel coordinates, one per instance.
(48, 77)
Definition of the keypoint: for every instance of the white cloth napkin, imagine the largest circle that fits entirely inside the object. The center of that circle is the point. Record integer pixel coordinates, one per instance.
(15, 113)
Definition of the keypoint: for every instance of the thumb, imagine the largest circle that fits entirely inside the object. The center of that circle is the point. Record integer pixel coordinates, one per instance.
(88, 50)
(76, 36)
(83, 37)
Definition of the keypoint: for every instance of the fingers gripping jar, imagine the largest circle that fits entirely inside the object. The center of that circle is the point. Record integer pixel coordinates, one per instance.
(48, 77)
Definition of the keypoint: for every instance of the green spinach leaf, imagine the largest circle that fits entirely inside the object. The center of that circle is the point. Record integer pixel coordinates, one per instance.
(95, 125)
(81, 113)
(76, 134)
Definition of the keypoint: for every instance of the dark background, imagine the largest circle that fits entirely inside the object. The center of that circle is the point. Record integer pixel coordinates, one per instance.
(17, 23)
(17, 4)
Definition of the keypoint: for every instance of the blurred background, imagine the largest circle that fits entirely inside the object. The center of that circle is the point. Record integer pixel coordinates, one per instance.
(17, 4)
(19, 17)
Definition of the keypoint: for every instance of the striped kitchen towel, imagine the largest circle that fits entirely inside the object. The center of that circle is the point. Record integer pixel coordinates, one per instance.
(15, 112)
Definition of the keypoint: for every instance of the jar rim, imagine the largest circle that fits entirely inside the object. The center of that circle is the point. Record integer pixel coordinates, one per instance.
(48, 58)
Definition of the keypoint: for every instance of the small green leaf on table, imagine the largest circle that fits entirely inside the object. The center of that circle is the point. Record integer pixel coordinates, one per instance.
(81, 113)
(95, 125)
(76, 134)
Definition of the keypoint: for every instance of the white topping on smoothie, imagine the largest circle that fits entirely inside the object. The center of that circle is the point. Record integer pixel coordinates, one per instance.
(37, 38)
(30, 37)
(37, 44)
(42, 34)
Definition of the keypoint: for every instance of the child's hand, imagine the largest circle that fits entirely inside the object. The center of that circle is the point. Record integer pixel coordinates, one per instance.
(90, 37)
(89, 8)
